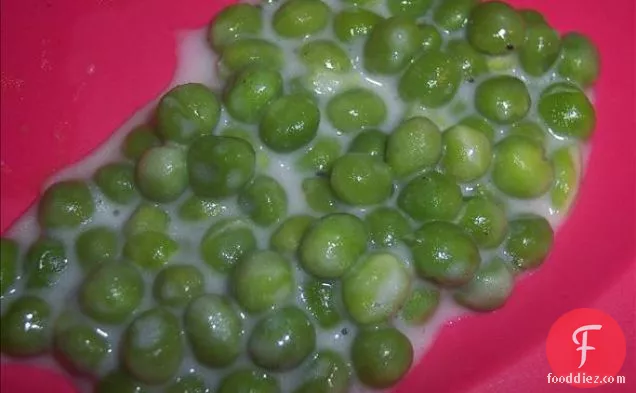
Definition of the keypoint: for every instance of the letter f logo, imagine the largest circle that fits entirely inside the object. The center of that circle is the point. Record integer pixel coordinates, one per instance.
(583, 344)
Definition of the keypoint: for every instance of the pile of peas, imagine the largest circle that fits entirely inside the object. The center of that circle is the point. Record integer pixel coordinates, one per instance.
(372, 187)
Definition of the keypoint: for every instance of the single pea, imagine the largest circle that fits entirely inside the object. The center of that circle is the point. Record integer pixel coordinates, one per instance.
(119, 382)
(326, 372)
(319, 195)
(480, 124)
(176, 285)
(325, 55)
(520, 168)
(190, 383)
(150, 249)
(117, 182)
(540, 49)
(410, 8)
(529, 241)
(371, 142)
(262, 280)
(580, 60)
(162, 174)
(111, 293)
(489, 289)
(146, 217)
(248, 381)
(289, 123)
(195, 208)
(414, 145)
(434, 196)
(490, 192)
(420, 305)
(247, 52)
(300, 18)
(566, 164)
(9, 251)
(321, 155)
(264, 200)
(234, 22)
(282, 340)
(495, 28)
(96, 245)
(444, 253)
(247, 96)
(387, 226)
(432, 80)
(528, 129)
(26, 327)
(502, 64)
(219, 166)
(467, 153)
(351, 23)
(375, 289)
(381, 357)
(567, 111)
(83, 347)
(356, 109)
(360, 179)
(226, 242)
(332, 245)
(214, 330)
(186, 112)
(391, 45)
(473, 63)
(452, 15)
(320, 300)
(485, 221)
(45, 262)
(66, 204)
(153, 347)
(287, 237)
(141, 139)
(502, 99)
(532, 17)
(431, 38)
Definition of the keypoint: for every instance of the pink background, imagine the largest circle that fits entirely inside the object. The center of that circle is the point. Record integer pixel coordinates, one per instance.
(72, 71)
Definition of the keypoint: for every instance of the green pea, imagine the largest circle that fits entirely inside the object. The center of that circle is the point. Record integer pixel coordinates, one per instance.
(473, 63)
(66, 204)
(495, 27)
(431, 38)
(146, 217)
(45, 262)
(444, 253)
(375, 289)
(186, 112)
(356, 109)
(289, 123)
(119, 382)
(327, 372)
(467, 153)
(262, 280)
(480, 124)
(111, 293)
(502, 99)
(411, 8)
(529, 241)
(190, 383)
(319, 195)
(287, 237)
(360, 179)
(214, 330)
(300, 18)
(247, 52)
(250, 92)
(567, 111)
(150, 250)
(264, 200)
(282, 340)
(83, 347)
(387, 226)
(153, 347)
(485, 221)
(452, 15)
(351, 23)
(162, 174)
(433, 196)
(432, 80)
(540, 49)
(117, 182)
(95, 246)
(320, 300)
(580, 60)
(9, 251)
(195, 208)
(489, 289)
(528, 129)
(326, 55)
(532, 17)
(520, 168)
(226, 242)
(220, 166)
(420, 306)
(414, 145)
(371, 142)
(234, 22)
(332, 245)
(381, 357)
(176, 285)
(391, 45)
(26, 327)
(321, 155)
(566, 164)
(248, 381)
(502, 64)
(141, 139)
